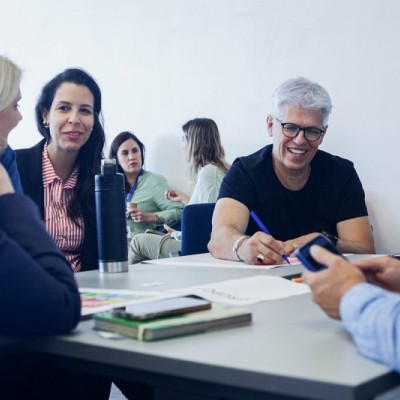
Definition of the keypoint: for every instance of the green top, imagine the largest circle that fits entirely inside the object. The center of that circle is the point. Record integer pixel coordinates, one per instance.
(150, 198)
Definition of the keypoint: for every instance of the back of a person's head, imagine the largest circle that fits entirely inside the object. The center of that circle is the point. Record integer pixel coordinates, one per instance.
(10, 76)
(204, 144)
(301, 92)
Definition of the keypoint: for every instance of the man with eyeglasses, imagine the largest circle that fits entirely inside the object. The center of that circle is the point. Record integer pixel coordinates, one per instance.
(296, 190)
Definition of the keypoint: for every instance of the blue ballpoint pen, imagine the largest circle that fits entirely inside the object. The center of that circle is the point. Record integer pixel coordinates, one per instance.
(265, 230)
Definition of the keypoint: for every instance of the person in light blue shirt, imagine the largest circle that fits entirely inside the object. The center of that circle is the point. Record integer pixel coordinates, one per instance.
(366, 296)
(207, 167)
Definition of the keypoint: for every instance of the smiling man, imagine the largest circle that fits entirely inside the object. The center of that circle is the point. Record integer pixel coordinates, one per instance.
(296, 190)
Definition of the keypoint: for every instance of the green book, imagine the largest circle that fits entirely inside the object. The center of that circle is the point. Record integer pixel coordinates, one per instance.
(177, 325)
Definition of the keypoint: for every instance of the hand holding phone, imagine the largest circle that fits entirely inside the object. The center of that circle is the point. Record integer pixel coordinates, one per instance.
(303, 252)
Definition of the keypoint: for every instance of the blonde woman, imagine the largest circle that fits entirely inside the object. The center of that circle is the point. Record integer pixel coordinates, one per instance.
(10, 95)
(36, 282)
(207, 167)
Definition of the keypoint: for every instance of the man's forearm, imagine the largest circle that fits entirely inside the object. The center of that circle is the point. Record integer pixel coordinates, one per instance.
(349, 246)
(222, 243)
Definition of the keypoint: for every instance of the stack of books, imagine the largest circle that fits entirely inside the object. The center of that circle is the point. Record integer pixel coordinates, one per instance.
(170, 317)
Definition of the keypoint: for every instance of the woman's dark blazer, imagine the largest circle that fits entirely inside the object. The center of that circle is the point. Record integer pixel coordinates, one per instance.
(29, 163)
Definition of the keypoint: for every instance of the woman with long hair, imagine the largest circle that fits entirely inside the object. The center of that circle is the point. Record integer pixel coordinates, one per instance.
(147, 207)
(58, 172)
(207, 166)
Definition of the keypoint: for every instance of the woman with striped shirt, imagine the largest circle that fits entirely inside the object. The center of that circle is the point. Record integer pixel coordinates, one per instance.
(58, 172)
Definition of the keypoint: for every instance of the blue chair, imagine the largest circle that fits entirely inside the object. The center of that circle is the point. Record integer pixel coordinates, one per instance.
(196, 228)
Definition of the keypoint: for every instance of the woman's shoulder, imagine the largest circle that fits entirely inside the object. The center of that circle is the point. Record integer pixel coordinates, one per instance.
(210, 170)
(209, 167)
(153, 177)
(36, 149)
(29, 155)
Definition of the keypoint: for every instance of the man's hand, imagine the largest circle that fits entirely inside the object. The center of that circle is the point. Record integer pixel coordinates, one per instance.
(382, 271)
(329, 285)
(262, 249)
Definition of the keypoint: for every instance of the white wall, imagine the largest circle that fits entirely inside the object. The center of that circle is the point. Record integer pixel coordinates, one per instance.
(162, 62)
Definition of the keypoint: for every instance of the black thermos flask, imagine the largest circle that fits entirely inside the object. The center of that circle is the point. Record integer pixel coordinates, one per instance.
(111, 219)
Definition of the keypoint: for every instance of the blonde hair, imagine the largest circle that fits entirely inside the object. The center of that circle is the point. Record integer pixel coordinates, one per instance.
(10, 77)
(204, 145)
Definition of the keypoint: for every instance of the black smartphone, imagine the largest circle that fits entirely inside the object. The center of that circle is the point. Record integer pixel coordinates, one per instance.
(303, 252)
(162, 308)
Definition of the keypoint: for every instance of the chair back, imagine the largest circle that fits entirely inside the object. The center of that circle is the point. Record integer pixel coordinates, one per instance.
(196, 228)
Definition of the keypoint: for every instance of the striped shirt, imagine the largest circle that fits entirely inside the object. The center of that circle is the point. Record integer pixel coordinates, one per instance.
(67, 235)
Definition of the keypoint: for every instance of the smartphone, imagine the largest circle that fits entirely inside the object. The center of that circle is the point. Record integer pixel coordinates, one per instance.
(303, 252)
(162, 308)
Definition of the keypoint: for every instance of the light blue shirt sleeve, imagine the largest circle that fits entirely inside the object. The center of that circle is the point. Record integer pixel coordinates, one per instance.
(372, 316)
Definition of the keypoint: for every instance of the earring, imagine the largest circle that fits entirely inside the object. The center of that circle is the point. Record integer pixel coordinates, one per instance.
(46, 124)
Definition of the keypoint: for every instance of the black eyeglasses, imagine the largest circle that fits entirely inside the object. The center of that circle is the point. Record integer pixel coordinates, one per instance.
(311, 133)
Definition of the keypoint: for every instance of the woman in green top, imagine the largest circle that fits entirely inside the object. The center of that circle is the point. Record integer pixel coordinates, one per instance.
(207, 166)
(147, 206)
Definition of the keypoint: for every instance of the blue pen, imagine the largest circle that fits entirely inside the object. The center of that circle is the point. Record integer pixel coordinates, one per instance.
(265, 230)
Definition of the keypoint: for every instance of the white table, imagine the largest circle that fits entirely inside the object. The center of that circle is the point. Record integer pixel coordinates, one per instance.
(291, 351)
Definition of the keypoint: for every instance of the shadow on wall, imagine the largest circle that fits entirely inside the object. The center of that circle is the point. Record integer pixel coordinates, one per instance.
(164, 156)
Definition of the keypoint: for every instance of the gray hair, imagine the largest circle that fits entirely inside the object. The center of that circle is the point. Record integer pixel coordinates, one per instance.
(301, 92)
(10, 77)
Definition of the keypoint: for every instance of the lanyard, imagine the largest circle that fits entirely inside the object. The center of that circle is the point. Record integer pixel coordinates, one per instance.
(132, 192)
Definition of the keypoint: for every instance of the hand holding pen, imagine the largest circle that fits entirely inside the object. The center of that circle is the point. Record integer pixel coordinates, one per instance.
(261, 255)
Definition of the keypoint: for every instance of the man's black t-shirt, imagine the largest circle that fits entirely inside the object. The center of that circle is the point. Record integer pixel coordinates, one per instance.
(333, 193)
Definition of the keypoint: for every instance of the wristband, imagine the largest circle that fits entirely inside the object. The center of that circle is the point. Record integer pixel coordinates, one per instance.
(236, 246)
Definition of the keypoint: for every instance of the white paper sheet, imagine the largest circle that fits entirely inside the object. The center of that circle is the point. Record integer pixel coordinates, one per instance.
(247, 290)
(207, 260)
